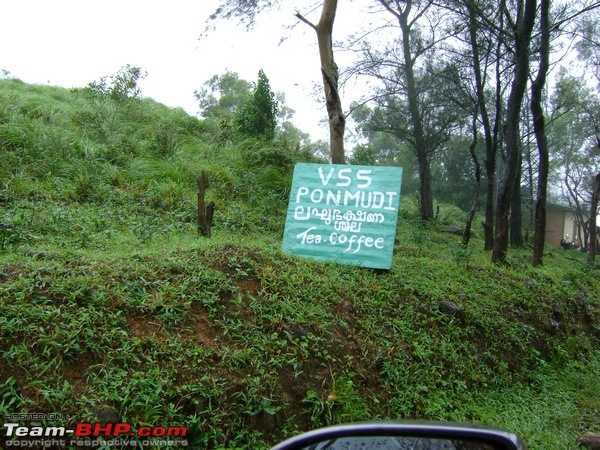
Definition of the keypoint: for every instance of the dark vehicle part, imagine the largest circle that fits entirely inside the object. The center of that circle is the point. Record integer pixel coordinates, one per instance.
(404, 436)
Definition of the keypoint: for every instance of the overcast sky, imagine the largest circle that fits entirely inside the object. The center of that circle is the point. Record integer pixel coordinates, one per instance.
(71, 43)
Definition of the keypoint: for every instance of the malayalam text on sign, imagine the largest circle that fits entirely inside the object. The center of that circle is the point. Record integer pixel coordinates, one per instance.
(341, 213)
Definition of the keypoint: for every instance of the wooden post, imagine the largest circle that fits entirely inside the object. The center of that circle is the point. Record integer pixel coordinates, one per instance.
(205, 212)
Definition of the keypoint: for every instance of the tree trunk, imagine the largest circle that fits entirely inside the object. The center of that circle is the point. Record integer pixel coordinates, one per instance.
(246, 10)
(516, 210)
(412, 95)
(490, 145)
(475, 206)
(593, 225)
(539, 127)
(522, 36)
(330, 73)
(417, 122)
(491, 158)
(579, 213)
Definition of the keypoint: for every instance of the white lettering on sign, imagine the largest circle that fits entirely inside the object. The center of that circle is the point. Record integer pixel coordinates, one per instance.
(327, 215)
(355, 241)
(307, 238)
(359, 199)
(342, 174)
(343, 213)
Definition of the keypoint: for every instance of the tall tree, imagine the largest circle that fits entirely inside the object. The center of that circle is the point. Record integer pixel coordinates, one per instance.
(403, 67)
(391, 114)
(539, 127)
(481, 48)
(331, 75)
(593, 225)
(589, 50)
(246, 10)
(522, 26)
(481, 40)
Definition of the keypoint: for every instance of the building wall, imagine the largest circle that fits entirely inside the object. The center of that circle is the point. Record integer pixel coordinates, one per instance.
(555, 227)
(573, 232)
(561, 224)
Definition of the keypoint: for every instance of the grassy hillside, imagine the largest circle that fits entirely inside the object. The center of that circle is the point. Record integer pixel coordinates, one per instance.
(111, 299)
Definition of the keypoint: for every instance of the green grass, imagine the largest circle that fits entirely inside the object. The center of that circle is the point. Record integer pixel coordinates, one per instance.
(109, 297)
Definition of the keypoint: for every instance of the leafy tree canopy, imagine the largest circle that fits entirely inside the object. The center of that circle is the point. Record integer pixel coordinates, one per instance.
(223, 95)
(258, 116)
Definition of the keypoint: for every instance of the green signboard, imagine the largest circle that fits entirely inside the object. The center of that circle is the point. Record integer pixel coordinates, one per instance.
(341, 213)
